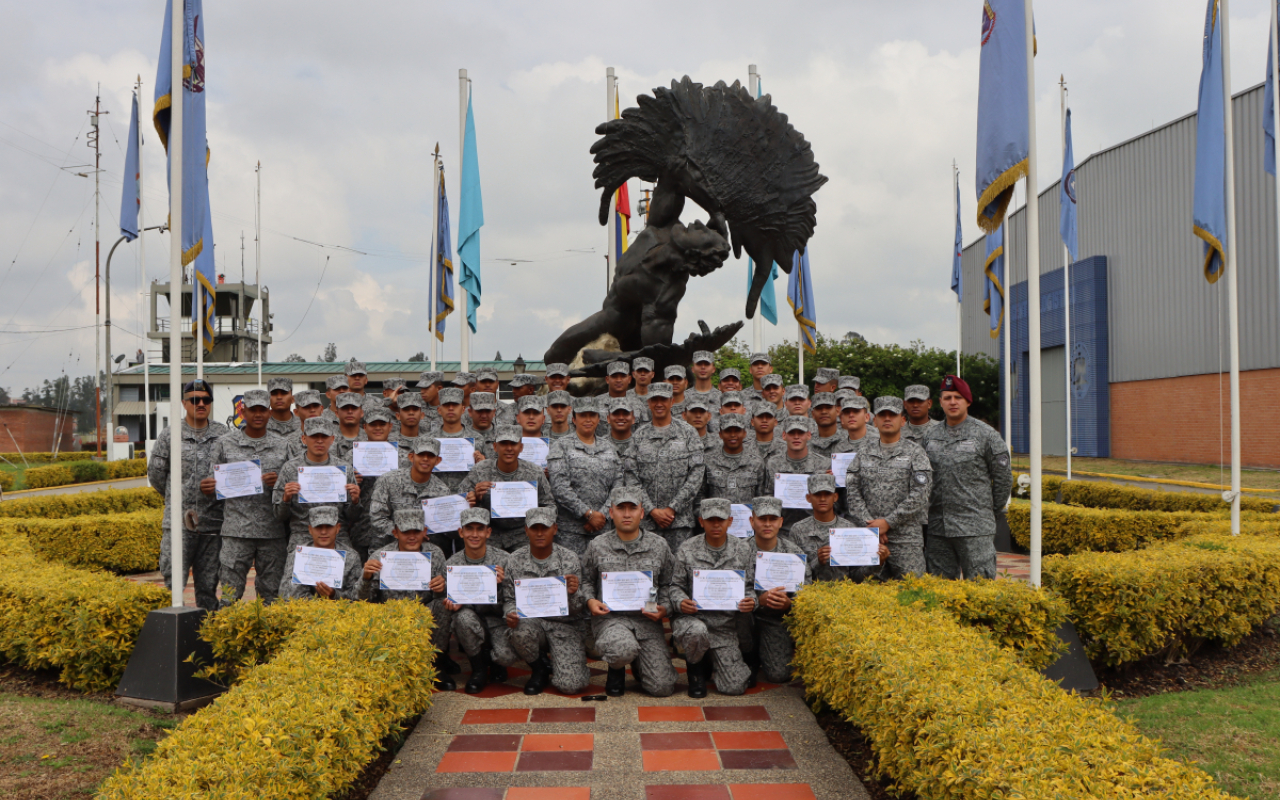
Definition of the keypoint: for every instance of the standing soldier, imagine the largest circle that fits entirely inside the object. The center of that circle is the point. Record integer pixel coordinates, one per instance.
(771, 389)
(392, 387)
(408, 488)
(704, 367)
(377, 427)
(202, 516)
(428, 387)
(826, 417)
(796, 400)
(282, 421)
(487, 381)
(621, 424)
(888, 489)
(642, 373)
(826, 379)
(971, 483)
(774, 647)
(851, 382)
(293, 509)
(735, 472)
(730, 380)
(307, 404)
(855, 416)
(357, 377)
(334, 385)
(916, 401)
(411, 416)
(530, 416)
(666, 462)
(698, 415)
(350, 415)
(764, 421)
(559, 411)
(521, 385)
(505, 466)
(557, 377)
(484, 406)
(678, 381)
(796, 459)
(251, 534)
(760, 365)
(481, 629)
(452, 427)
(583, 470)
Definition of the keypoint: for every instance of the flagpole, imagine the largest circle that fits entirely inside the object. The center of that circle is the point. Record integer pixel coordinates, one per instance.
(433, 299)
(142, 286)
(612, 224)
(176, 93)
(800, 349)
(757, 324)
(1066, 281)
(257, 264)
(1007, 336)
(1033, 295)
(1275, 106)
(1233, 298)
(464, 90)
(955, 177)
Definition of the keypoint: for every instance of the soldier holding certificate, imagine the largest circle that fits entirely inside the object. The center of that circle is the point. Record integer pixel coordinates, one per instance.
(774, 646)
(480, 626)
(408, 489)
(491, 483)
(292, 505)
(333, 573)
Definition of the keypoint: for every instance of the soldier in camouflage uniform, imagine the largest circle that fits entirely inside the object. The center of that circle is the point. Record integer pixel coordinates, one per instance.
(481, 629)
(202, 516)
(971, 483)
(764, 423)
(487, 381)
(530, 416)
(285, 499)
(583, 470)
(618, 380)
(452, 427)
(698, 414)
(771, 389)
(428, 386)
(676, 378)
(812, 534)
(350, 415)
(408, 488)
(559, 415)
(506, 465)
(666, 462)
(630, 637)
(377, 426)
(797, 459)
(306, 404)
(826, 418)
(760, 365)
(730, 380)
(334, 385)
(251, 534)
(825, 379)
(735, 471)
(855, 419)
(888, 489)
(621, 424)
(774, 646)
(484, 407)
(522, 385)
(732, 403)
(713, 640)
(323, 531)
(551, 646)
(642, 374)
(916, 402)
(795, 400)
(704, 368)
(283, 422)
(357, 377)
(556, 378)
(410, 534)
(411, 418)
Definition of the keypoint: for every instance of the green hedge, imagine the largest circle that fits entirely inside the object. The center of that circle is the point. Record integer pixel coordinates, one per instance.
(46, 477)
(47, 458)
(124, 543)
(103, 501)
(1071, 529)
(1100, 494)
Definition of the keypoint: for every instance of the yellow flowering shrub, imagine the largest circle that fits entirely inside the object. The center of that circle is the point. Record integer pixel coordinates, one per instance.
(1071, 529)
(951, 715)
(47, 458)
(44, 477)
(127, 468)
(6, 481)
(304, 724)
(105, 501)
(1101, 494)
(123, 543)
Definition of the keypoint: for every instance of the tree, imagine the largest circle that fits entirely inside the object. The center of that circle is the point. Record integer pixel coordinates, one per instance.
(294, 358)
(330, 353)
(418, 356)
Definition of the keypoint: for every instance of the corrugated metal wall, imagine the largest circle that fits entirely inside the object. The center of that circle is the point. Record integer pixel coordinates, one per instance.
(1135, 209)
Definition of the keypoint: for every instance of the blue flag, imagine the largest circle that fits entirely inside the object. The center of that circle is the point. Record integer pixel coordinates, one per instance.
(1003, 133)
(131, 198)
(993, 285)
(957, 275)
(800, 296)
(197, 220)
(1209, 213)
(1067, 225)
(1268, 116)
(768, 297)
(444, 262)
(470, 220)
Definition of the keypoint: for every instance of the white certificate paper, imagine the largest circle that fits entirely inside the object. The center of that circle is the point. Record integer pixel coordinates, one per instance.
(322, 484)
(510, 499)
(779, 569)
(456, 455)
(471, 584)
(741, 524)
(840, 466)
(312, 565)
(626, 591)
(372, 459)
(444, 514)
(791, 488)
(405, 572)
(237, 479)
(855, 547)
(719, 589)
(542, 597)
(535, 450)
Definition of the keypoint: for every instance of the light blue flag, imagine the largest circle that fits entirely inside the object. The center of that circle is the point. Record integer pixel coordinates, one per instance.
(800, 296)
(131, 198)
(1003, 133)
(768, 297)
(957, 274)
(470, 220)
(993, 285)
(1067, 224)
(1268, 116)
(197, 230)
(444, 262)
(1209, 212)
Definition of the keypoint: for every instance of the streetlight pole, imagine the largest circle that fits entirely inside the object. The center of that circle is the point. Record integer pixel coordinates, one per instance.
(110, 382)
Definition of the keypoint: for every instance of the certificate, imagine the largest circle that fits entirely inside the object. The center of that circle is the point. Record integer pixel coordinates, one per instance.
(510, 499)
(719, 589)
(322, 484)
(312, 565)
(444, 514)
(405, 572)
(535, 450)
(741, 524)
(375, 458)
(791, 488)
(456, 455)
(471, 584)
(237, 479)
(840, 466)
(542, 597)
(855, 547)
(626, 591)
(779, 569)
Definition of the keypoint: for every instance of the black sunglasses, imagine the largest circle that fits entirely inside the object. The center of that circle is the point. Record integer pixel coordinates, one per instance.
(200, 400)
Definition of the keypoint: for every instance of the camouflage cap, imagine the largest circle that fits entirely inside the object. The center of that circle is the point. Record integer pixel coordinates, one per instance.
(540, 516)
(411, 400)
(523, 379)
(395, 384)
(849, 382)
(797, 390)
(322, 515)
(730, 372)
(335, 382)
(559, 398)
(824, 399)
(484, 401)
(715, 508)
(617, 404)
(766, 506)
(756, 358)
(409, 519)
(307, 397)
(844, 394)
(378, 414)
(626, 494)
(674, 369)
(916, 391)
(728, 421)
(461, 379)
(349, 399)
(257, 398)
(419, 445)
(474, 516)
(428, 379)
(317, 426)
(727, 398)
(704, 357)
(772, 379)
(642, 363)
(558, 368)
(854, 401)
(826, 375)
(588, 405)
(356, 368)
(530, 402)
(797, 423)
(696, 404)
(279, 384)
(764, 409)
(618, 368)
(487, 374)
(660, 389)
(822, 482)
(888, 403)
(508, 433)
(451, 395)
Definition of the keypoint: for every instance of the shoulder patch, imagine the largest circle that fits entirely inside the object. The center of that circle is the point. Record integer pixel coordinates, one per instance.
(921, 477)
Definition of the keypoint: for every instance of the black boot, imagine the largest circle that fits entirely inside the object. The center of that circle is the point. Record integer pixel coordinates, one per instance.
(443, 682)
(753, 664)
(615, 683)
(497, 672)
(538, 679)
(697, 675)
(448, 665)
(479, 673)
(635, 672)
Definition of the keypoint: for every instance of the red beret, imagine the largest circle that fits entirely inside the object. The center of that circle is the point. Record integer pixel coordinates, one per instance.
(953, 384)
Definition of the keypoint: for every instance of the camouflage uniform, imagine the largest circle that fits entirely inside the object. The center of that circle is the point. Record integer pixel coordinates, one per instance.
(774, 646)
(892, 482)
(251, 534)
(640, 406)
(295, 512)
(971, 483)
(916, 433)
(362, 535)
(478, 626)
(352, 570)
(508, 534)
(723, 635)
(395, 491)
(667, 464)
(342, 446)
(582, 476)
(289, 429)
(371, 590)
(623, 637)
(810, 536)
(560, 636)
(768, 449)
(847, 445)
(781, 462)
(201, 548)
(454, 479)
(736, 478)
(825, 445)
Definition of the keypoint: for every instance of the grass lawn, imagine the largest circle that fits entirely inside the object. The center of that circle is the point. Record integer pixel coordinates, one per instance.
(1234, 734)
(1198, 473)
(52, 749)
(17, 473)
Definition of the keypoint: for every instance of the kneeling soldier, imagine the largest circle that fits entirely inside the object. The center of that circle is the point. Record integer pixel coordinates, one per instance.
(481, 630)
(322, 523)
(630, 637)
(774, 645)
(713, 640)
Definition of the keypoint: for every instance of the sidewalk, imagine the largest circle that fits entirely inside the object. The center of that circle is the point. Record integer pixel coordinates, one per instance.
(76, 488)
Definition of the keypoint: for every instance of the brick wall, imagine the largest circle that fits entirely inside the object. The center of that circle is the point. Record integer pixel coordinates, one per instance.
(33, 429)
(1177, 419)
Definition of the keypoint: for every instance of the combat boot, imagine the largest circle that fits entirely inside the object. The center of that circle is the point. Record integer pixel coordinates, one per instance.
(697, 675)
(538, 679)
(479, 673)
(615, 683)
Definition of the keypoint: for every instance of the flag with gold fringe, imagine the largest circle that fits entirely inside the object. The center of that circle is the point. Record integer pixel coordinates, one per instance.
(1004, 139)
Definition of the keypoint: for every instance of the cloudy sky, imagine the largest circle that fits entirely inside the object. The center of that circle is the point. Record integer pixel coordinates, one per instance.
(343, 103)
